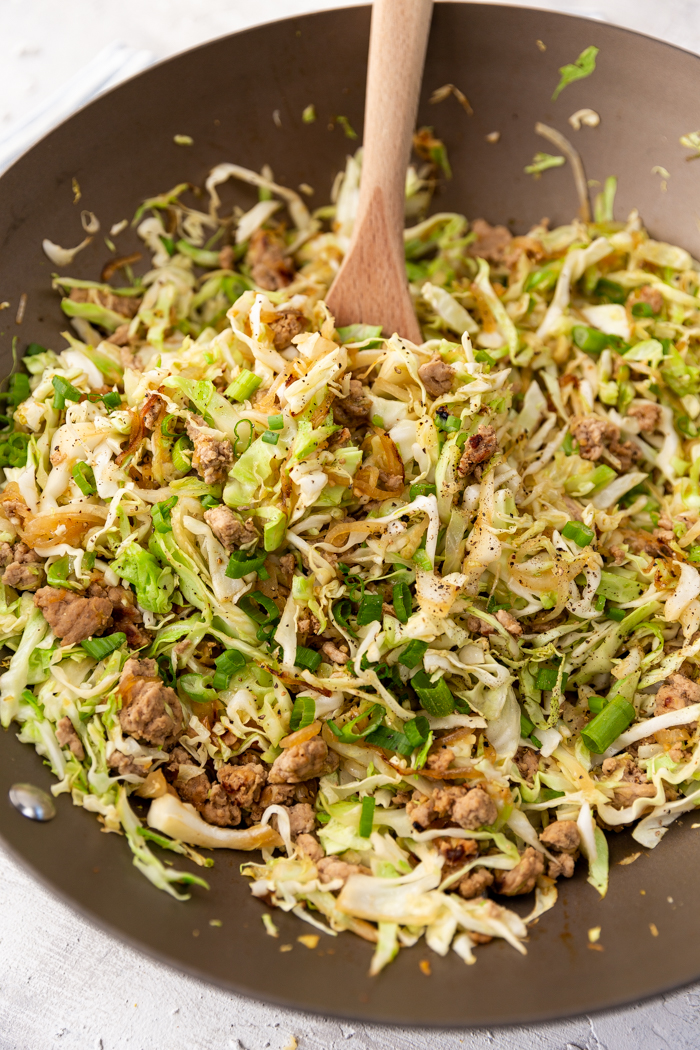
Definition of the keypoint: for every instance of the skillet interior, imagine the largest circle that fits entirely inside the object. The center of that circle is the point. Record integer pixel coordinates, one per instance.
(120, 148)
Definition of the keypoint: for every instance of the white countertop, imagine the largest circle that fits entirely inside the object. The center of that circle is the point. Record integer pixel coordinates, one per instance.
(65, 985)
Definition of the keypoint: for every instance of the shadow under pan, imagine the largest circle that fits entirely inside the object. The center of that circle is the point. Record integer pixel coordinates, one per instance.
(120, 149)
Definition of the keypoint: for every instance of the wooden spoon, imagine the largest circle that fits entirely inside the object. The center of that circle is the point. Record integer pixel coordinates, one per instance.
(371, 286)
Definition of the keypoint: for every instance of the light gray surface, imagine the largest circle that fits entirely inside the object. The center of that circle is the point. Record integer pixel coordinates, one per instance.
(65, 985)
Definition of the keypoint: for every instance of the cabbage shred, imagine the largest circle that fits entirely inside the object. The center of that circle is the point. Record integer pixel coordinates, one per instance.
(445, 562)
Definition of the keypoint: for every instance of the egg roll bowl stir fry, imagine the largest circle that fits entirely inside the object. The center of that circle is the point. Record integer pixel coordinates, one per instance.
(420, 623)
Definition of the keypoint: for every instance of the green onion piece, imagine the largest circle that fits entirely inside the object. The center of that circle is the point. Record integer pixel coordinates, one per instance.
(160, 512)
(610, 290)
(271, 613)
(421, 489)
(642, 310)
(378, 421)
(483, 358)
(181, 462)
(390, 740)
(416, 730)
(33, 349)
(596, 704)
(606, 727)
(599, 603)
(589, 339)
(168, 244)
(196, 688)
(526, 726)
(403, 605)
(547, 678)
(578, 532)
(422, 560)
(323, 818)
(366, 817)
(370, 609)
(64, 389)
(209, 501)
(18, 388)
(98, 648)
(84, 477)
(275, 422)
(243, 562)
(374, 715)
(413, 653)
(435, 697)
(461, 439)
(568, 445)
(270, 438)
(165, 426)
(450, 424)
(112, 400)
(617, 615)
(307, 658)
(227, 664)
(303, 713)
(341, 610)
(243, 386)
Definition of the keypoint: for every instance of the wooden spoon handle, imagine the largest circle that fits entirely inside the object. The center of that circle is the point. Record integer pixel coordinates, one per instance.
(398, 42)
(371, 286)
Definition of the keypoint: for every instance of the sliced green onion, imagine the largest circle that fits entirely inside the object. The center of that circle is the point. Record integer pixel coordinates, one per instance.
(165, 426)
(160, 512)
(181, 462)
(617, 615)
(421, 489)
(596, 704)
(435, 697)
(243, 562)
(390, 740)
(303, 713)
(422, 560)
(413, 653)
(569, 445)
(244, 385)
(270, 438)
(341, 610)
(547, 678)
(642, 310)
(483, 358)
(98, 648)
(57, 574)
(578, 532)
(606, 727)
(64, 390)
(450, 424)
(84, 477)
(196, 688)
(416, 730)
(374, 715)
(366, 817)
(307, 658)
(370, 609)
(209, 501)
(402, 602)
(227, 664)
(33, 349)
(599, 603)
(378, 421)
(271, 611)
(112, 400)
(275, 422)
(610, 290)
(526, 726)
(18, 388)
(168, 244)
(589, 339)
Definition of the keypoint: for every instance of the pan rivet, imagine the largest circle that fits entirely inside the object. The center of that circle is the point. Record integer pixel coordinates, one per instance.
(32, 802)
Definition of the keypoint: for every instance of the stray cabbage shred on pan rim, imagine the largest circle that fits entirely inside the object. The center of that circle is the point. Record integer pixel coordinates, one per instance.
(419, 622)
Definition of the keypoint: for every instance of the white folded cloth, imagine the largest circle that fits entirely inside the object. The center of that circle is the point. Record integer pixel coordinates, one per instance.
(110, 66)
